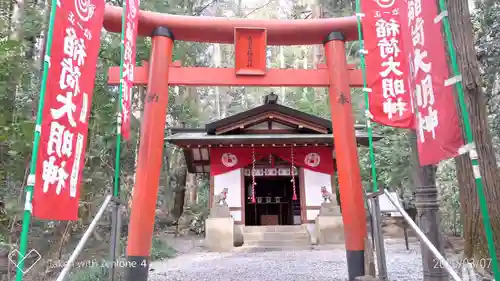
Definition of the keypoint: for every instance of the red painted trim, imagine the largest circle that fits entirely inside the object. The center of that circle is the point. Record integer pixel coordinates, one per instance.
(351, 190)
(243, 195)
(243, 50)
(221, 30)
(206, 76)
(150, 152)
(302, 190)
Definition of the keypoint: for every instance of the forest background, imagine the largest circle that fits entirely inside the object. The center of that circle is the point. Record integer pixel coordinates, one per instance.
(182, 196)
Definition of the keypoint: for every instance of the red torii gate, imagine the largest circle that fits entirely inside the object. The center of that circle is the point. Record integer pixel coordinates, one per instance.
(160, 73)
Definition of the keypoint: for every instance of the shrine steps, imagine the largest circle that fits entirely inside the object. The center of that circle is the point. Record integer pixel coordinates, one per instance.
(276, 237)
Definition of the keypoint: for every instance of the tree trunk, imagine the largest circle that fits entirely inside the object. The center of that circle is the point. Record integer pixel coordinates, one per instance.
(177, 178)
(191, 188)
(317, 51)
(476, 245)
(17, 20)
(39, 62)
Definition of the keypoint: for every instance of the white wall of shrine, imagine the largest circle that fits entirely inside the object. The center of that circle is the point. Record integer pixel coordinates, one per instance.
(313, 181)
(231, 180)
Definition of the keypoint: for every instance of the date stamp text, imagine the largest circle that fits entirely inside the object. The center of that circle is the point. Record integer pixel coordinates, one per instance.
(474, 263)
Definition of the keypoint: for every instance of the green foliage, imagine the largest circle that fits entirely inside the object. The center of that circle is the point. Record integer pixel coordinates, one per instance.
(161, 250)
(203, 192)
(93, 273)
(392, 159)
(17, 90)
(449, 198)
(312, 101)
(338, 8)
(486, 20)
(194, 107)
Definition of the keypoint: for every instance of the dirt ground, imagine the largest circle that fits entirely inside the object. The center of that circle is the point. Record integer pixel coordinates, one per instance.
(183, 244)
(393, 229)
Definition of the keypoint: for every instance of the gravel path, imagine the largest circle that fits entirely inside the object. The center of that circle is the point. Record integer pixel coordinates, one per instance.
(321, 264)
(324, 263)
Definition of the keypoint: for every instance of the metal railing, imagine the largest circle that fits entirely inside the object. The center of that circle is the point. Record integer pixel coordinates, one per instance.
(64, 272)
(379, 239)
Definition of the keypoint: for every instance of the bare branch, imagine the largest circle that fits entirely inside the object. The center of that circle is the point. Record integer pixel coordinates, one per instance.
(258, 8)
(205, 7)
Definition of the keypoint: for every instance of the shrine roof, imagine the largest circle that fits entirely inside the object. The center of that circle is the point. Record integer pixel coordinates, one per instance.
(265, 125)
(202, 138)
(273, 107)
(196, 143)
(268, 123)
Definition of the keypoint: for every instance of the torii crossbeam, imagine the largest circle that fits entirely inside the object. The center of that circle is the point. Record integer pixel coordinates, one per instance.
(207, 76)
(159, 73)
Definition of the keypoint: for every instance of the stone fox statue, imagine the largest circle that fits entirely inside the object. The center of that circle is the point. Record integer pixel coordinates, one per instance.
(327, 195)
(221, 197)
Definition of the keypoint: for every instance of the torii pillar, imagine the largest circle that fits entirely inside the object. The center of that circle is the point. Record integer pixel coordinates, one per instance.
(351, 189)
(150, 155)
(337, 76)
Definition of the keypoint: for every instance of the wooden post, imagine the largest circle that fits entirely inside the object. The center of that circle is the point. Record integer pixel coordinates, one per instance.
(149, 158)
(351, 190)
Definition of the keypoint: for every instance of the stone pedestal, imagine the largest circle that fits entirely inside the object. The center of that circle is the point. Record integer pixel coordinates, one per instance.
(238, 236)
(366, 278)
(219, 234)
(329, 225)
(219, 230)
(219, 211)
(329, 209)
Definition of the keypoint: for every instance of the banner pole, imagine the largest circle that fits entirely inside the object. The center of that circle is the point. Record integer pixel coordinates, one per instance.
(376, 235)
(116, 182)
(367, 99)
(470, 143)
(34, 153)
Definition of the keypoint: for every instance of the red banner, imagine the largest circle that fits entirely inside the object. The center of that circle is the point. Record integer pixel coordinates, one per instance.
(130, 29)
(68, 98)
(319, 159)
(387, 75)
(437, 122)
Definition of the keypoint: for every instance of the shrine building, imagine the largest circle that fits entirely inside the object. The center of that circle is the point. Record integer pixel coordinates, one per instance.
(272, 140)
